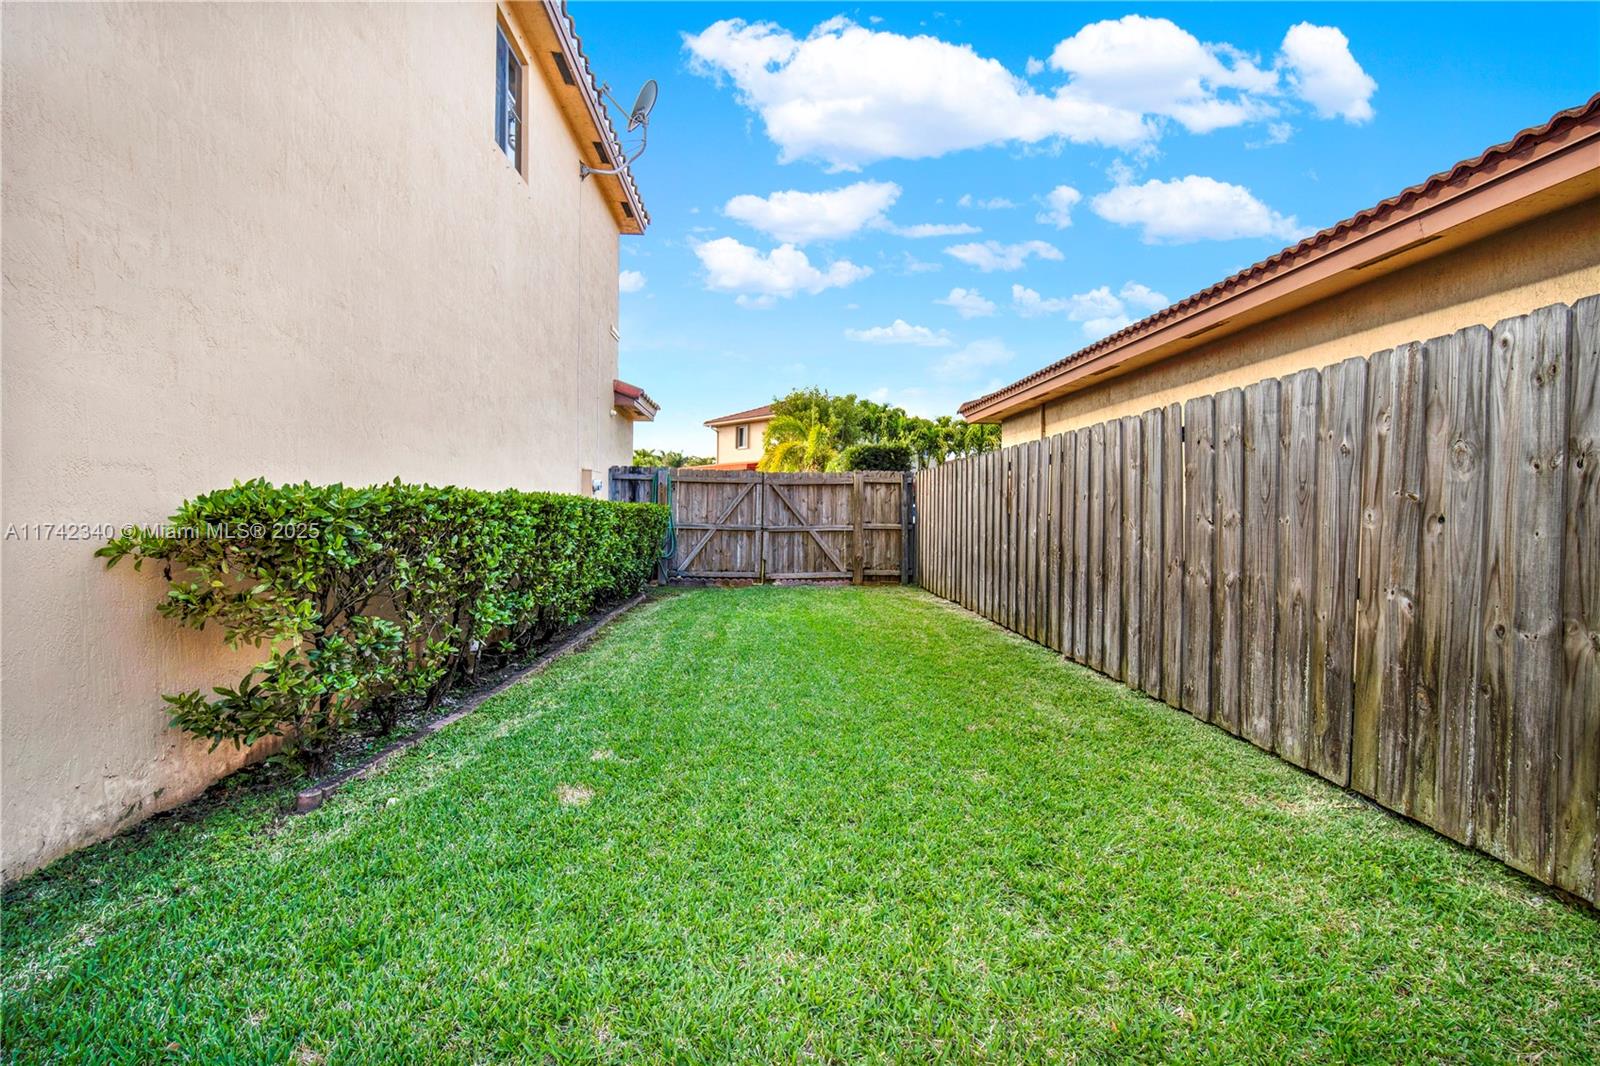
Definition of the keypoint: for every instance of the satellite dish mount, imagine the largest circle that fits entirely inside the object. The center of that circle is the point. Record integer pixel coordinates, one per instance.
(638, 120)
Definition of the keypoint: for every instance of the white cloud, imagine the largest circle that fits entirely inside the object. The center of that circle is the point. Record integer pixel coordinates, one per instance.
(1058, 205)
(970, 361)
(1096, 303)
(1099, 311)
(901, 332)
(799, 217)
(760, 279)
(1151, 66)
(630, 281)
(1322, 72)
(992, 255)
(994, 203)
(1193, 209)
(910, 264)
(967, 303)
(932, 229)
(849, 95)
(1143, 297)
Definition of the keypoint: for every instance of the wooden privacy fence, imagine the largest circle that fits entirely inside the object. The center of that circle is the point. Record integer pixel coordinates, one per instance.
(1386, 572)
(744, 525)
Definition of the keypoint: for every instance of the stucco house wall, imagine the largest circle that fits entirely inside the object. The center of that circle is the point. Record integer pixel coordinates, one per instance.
(1551, 259)
(727, 443)
(257, 240)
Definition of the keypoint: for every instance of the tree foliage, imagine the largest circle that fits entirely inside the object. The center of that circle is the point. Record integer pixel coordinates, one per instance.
(654, 457)
(814, 430)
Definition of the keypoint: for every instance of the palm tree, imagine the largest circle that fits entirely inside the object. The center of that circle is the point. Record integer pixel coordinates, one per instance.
(799, 442)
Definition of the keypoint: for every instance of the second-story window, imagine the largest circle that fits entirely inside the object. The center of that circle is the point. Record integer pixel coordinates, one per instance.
(508, 99)
(741, 437)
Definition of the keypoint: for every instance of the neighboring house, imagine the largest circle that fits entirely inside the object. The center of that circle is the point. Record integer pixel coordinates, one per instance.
(1513, 230)
(740, 438)
(325, 242)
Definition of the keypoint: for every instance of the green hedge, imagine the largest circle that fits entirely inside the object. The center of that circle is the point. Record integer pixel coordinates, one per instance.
(370, 597)
(876, 457)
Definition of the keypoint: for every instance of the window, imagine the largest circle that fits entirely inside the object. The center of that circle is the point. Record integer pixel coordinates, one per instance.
(508, 99)
(741, 436)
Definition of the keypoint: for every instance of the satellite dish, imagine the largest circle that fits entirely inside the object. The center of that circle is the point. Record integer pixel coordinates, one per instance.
(643, 104)
(638, 119)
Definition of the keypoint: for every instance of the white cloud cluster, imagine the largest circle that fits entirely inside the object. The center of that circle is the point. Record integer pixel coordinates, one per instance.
(1151, 66)
(993, 203)
(760, 279)
(1323, 73)
(901, 332)
(1058, 205)
(1100, 311)
(630, 281)
(796, 217)
(1193, 208)
(990, 256)
(849, 95)
(932, 229)
(968, 303)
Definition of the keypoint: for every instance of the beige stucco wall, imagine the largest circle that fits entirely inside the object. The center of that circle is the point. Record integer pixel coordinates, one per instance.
(755, 443)
(247, 240)
(1554, 259)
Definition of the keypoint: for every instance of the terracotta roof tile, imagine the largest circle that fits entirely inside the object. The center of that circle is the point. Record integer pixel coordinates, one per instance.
(752, 415)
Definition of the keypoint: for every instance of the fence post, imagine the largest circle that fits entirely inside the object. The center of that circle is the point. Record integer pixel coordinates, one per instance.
(858, 505)
(905, 529)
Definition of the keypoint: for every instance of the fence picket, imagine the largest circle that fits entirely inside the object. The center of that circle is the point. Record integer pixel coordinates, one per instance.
(1199, 480)
(1257, 691)
(1227, 600)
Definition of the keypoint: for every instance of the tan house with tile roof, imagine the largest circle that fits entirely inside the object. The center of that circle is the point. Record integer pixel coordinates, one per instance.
(1515, 229)
(325, 242)
(741, 437)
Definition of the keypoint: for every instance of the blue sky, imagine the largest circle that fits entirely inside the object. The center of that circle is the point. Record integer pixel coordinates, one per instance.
(920, 203)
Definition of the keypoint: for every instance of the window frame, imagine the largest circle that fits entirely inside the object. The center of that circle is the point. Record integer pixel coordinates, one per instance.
(508, 57)
(741, 437)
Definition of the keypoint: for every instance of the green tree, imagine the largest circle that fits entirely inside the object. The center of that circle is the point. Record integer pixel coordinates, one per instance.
(811, 430)
(652, 457)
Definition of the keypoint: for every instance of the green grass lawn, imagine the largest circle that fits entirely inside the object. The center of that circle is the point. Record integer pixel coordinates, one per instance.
(802, 824)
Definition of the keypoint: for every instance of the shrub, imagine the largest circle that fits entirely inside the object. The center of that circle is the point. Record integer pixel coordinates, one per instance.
(876, 457)
(366, 597)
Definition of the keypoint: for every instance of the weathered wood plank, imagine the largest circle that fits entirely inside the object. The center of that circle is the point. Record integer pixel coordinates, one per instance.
(1082, 616)
(1450, 580)
(1228, 591)
(1199, 477)
(1115, 655)
(1523, 655)
(1259, 554)
(858, 542)
(1066, 526)
(1375, 461)
(1153, 577)
(1398, 559)
(1576, 843)
(1174, 536)
(1097, 548)
(1132, 550)
(1340, 436)
(1297, 562)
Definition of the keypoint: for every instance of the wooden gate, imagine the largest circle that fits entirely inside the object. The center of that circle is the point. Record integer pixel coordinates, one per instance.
(743, 525)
